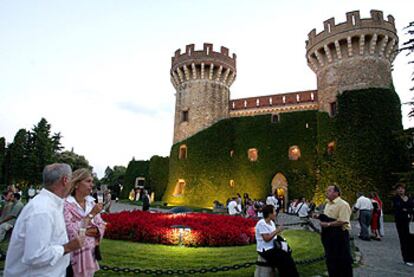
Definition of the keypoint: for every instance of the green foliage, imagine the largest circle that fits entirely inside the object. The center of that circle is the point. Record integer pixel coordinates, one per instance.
(74, 160)
(2, 158)
(23, 160)
(135, 169)
(209, 167)
(114, 176)
(368, 149)
(158, 175)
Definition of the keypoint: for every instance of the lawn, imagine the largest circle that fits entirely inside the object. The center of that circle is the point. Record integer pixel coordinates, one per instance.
(305, 245)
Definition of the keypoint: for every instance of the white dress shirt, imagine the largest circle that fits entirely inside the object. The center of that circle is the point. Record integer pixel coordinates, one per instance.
(232, 207)
(36, 246)
(364, 203)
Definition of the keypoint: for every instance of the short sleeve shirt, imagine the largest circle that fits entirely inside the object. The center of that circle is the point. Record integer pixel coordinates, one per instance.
(264, 228)
(340, 210)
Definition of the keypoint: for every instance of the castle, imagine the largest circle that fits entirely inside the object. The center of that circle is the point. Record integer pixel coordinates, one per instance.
(348, 59)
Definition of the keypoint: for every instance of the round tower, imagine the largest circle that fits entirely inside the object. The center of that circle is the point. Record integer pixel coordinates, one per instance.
(352, 55)
(202, 81)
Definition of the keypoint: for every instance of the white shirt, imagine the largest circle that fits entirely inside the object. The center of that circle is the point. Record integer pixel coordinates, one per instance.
(89, 204)
(36, 246)
(272, 200)
(364, 203)
(232, 207)
(264, 228)
(302, 210)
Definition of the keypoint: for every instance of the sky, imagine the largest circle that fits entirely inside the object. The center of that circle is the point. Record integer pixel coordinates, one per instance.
(98, 70)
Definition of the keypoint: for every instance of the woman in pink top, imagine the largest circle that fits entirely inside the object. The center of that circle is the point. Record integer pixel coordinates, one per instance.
(83, 219)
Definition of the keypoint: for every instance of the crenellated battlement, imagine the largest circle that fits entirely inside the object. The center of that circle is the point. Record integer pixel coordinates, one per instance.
(355, 37)
(203, 64)
(355, 54)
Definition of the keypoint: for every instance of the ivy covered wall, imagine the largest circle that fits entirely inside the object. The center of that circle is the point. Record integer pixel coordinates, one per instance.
(365, 156)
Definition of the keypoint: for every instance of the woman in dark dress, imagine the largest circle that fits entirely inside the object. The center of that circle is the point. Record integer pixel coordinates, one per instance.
(403, 209)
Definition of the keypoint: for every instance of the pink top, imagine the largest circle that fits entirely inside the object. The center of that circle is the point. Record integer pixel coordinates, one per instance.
(83, 260)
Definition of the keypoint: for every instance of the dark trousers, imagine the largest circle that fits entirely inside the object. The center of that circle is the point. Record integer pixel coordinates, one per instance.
(282, 260)
(337, 252)
(364, 222)
(406, 240)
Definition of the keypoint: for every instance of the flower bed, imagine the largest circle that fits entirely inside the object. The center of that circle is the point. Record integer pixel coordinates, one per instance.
(200, 229)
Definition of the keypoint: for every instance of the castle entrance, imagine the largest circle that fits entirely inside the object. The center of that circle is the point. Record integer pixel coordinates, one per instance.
(280, 186)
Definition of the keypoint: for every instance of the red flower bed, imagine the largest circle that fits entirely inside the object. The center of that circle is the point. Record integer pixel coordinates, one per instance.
(201, 229)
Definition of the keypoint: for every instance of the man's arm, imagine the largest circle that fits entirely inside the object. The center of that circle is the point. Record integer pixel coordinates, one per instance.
(38, 249)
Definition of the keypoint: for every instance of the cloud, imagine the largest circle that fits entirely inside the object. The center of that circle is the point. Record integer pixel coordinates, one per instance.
(137, 109)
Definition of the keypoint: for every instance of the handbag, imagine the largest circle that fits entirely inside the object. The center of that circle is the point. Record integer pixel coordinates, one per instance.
(98, 255)
(280, 243)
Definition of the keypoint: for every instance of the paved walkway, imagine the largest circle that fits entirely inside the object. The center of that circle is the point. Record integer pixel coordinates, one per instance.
(379, 258)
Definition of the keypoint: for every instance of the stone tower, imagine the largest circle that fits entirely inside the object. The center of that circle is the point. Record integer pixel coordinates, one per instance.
(202, 80)
(352, 55)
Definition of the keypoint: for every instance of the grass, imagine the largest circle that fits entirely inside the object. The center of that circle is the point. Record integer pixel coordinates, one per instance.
(150, 256)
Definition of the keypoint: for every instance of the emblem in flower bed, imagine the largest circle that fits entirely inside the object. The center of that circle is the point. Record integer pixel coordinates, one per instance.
(196, 229)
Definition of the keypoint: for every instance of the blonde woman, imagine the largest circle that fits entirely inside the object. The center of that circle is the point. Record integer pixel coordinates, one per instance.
(82, 218)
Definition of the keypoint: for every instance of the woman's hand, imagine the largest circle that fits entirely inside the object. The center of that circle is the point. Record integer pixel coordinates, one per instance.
(92, 232)
(97, 209)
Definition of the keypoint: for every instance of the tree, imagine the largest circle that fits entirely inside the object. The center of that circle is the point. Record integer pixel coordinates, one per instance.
(158, 175)
(74, 160)
(2, 158)
(43, 149)
(18, 157)
(408, 47)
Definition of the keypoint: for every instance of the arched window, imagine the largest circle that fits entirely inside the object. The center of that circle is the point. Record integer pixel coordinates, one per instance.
(231, 183)
(182, 154)
(294, 153)
(179, 187)
(253, 154)
(231, 153)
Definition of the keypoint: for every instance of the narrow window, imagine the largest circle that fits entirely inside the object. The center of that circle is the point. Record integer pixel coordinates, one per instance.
(353, 20)
(184, 116)
(331, 147)
(294, 153)
(257, 102)
(231, 153)
(312, 96)
(245, 103)
(179, 187)
(233, 105)
(270, 101)
(297, 98)
(231, 183)
(333, 110)
(284, 99)
(275, 118)
(182, 154)
(252, 154)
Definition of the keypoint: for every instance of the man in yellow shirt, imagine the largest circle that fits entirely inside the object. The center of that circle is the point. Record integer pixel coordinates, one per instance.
(335, 223)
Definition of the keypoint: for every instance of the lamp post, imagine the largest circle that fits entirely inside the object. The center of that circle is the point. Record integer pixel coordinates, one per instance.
(181, 229)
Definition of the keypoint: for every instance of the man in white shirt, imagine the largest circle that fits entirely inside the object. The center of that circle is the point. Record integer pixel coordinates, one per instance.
(274, 201)
(302, 209)
(364, 206)
(39, 242)
(233, 207)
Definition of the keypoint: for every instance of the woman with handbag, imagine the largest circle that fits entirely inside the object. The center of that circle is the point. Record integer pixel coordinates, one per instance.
(83, 219)
(273, 248)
